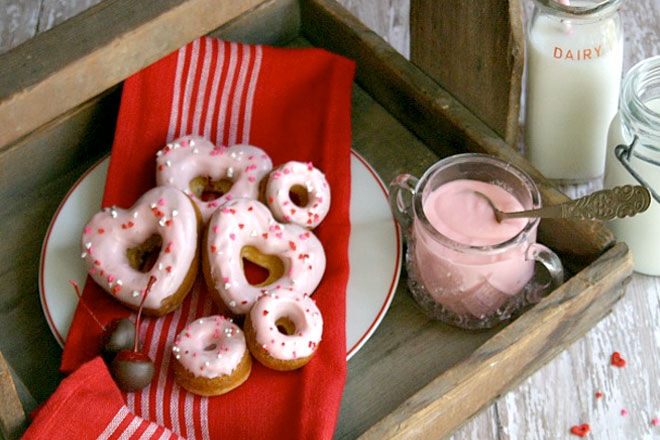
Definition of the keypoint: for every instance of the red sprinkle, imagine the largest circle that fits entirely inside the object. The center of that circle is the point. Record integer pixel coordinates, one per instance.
(116, 289)
(581, 430)
(655, 421)
(101, 230)
(265, 312)
(617, 360)
(168, 268)
(292, 245)
(599, 395)
(624, 412)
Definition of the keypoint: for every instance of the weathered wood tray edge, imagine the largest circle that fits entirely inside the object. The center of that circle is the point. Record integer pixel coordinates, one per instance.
(436, 117)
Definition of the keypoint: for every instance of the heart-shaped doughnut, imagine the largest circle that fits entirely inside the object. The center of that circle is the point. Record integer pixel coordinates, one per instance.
(158, 236)
(212, 175)
(243, 228)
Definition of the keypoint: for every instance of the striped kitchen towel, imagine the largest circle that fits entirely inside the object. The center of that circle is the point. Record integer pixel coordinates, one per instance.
(294, 104)
(88, 405)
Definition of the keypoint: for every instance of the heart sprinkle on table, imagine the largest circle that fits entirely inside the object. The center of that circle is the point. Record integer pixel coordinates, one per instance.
(599, 395)
(581, 430)
(624, 412)
(617, 360)
(655, 422)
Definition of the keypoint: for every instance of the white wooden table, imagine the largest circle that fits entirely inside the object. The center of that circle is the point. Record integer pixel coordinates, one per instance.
(563, 393)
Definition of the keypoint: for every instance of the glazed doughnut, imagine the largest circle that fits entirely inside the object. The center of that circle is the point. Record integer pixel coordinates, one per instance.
(210, 356)
(298, 193)
(158, 236)
(243, 228)
(211, 175)
(283, 329)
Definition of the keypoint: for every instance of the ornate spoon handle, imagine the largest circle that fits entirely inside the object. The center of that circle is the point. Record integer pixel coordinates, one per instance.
(620, 201)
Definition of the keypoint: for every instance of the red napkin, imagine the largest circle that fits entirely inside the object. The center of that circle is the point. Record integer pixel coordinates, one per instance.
(89, 405)
(295, 104)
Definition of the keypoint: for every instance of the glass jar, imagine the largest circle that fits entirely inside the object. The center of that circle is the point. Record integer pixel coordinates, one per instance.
(467, 283)
(574, 64)
(633, 157)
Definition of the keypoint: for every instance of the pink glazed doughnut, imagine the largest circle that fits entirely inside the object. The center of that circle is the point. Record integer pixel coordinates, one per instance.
(210, 356)
(298, 193)
(245, 229)
(158, 236)
(212, 175)
(284, 329)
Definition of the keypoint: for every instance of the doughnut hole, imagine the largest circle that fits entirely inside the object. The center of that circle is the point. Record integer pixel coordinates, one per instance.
(206, 189)
(260, 269)
(285, 326)
(299, 195)
(143, 256)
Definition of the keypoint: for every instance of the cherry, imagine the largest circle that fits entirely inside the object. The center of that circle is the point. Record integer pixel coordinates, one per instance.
(134, 369)
(117, 336)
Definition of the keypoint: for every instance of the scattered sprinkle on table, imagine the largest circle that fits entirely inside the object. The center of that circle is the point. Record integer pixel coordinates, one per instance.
(617, 360)
(581, 430)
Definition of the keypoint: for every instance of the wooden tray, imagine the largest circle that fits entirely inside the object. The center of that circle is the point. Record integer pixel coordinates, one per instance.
(415, 378)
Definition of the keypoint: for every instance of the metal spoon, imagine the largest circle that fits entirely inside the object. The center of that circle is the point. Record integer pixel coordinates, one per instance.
(606, 204)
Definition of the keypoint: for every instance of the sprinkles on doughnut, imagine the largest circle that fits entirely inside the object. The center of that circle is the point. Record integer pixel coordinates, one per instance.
(284, 329)
(298, 193)
(243, 228)
(212, 175)
(122, 248)
(210, 356)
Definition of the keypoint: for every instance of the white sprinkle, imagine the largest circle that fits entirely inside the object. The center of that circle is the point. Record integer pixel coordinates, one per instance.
(153, 205)
(160, 266)
(230, 172)
(170, 180)
(135, 214)
(162, 221)
(195, 151)
(175, 349)
(200, 321)
(253, 233)
(113, 213)
(233, 155)
(227, 286)
(83, 255)
(159, 153)
(219, 356)
(88, 245)
(135, 293)
(207, 363)
(120, 283)
(232, 303)
(168, 163)
(178, 356)
(175, 146)
(175, 213)
(169, 144)
(192, 143)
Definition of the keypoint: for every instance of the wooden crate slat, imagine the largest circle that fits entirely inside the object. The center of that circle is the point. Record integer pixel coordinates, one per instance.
(80, 58)
(474, 49)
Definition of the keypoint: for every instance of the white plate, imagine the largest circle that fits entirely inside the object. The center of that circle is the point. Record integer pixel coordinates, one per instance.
(374, 252)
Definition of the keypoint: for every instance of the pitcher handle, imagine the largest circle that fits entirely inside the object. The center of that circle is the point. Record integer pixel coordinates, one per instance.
(402, 192)
(553, 266)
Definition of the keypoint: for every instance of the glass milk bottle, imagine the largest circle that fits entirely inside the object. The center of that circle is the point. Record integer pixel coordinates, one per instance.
(574, 62)
(633, 157)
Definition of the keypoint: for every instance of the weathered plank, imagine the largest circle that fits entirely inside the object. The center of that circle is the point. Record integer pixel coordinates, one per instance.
(474, 49)
(12, 416)
(54, 12)
(60, 69)
(18, 22)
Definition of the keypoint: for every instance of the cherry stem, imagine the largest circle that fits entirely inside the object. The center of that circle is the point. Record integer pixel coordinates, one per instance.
(84, 304)
(152, 280)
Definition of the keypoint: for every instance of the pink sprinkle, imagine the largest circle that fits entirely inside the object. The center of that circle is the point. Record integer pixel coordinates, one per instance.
(310, 166)
(161, 202)
(286, 171)
(276, 175)
(252, 179)
(90, 251)
(655, 421)
(213, 204)
(278, 235)
(251, 157)
(184, 143)
(232, 236)
(229, 197)
(225, 279)
(216, 151)
(624, 412)
(194, 355)
(303, 237)
(88, 230)
(287, 218)
(272, 228)
(216, 229)
(225, 211)
(92, 270)
(110, 278)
